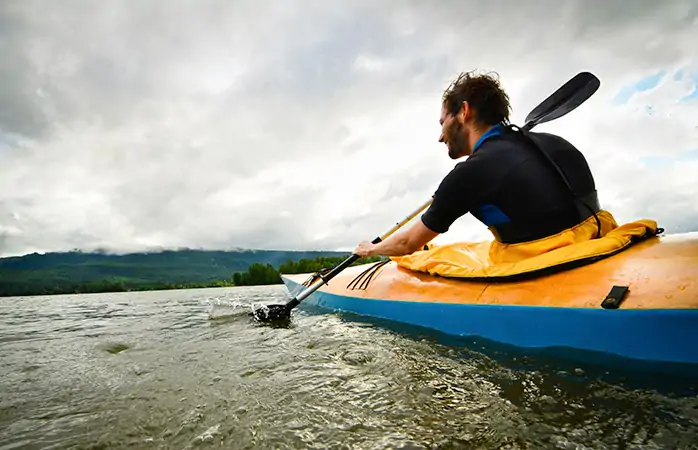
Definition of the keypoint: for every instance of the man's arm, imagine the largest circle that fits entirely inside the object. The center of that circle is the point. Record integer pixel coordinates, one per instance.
(399, 244)
(457, 192)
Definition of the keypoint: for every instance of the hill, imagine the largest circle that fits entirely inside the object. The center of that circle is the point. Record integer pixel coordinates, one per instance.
(67, 272)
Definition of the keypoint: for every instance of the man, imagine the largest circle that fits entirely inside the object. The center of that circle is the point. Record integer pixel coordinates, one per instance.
(523, 186)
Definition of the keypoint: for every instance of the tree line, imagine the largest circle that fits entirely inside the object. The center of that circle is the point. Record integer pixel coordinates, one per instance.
(256, 274)
(263, 274)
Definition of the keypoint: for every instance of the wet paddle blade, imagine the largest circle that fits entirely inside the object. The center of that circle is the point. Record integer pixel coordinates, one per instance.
(569, 96)
(271, 313)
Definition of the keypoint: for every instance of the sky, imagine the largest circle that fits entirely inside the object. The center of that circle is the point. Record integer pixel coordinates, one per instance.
(308, 125)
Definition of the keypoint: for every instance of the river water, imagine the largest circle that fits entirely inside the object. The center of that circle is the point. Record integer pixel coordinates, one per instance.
(190, 369)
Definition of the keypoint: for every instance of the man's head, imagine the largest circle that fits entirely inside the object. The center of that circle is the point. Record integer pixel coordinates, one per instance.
(470, 106)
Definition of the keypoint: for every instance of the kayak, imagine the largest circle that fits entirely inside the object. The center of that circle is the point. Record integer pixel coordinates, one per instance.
(641, 303)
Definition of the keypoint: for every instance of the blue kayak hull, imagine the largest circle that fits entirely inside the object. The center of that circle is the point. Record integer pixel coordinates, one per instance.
(656, 335)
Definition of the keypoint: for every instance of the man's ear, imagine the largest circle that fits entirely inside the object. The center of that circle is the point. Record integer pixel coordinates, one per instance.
(465, 112)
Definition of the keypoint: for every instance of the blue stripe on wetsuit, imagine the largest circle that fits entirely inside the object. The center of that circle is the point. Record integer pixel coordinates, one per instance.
(489, 214)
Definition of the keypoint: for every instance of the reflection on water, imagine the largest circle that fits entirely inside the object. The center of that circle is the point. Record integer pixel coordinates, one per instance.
(185, 369)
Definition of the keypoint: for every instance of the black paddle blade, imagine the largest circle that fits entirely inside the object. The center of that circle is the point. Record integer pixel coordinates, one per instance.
(271, 313)
(570, 95)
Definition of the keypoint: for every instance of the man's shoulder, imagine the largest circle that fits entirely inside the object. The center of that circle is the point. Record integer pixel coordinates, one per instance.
(550, 138)
(499, 149)
(501, 142)
(517, 140)
(494, 155)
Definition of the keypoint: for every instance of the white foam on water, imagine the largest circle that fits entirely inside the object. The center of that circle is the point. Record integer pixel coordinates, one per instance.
(226, 307)
(209, 434)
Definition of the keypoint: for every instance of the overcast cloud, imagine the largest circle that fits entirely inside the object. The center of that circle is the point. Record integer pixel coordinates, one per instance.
(314, 124)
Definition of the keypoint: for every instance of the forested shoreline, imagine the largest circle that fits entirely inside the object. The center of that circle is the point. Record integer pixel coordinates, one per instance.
(77, 272)
(261, 274)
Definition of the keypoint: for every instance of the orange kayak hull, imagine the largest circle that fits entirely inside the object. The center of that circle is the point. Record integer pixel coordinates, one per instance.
(657, 319)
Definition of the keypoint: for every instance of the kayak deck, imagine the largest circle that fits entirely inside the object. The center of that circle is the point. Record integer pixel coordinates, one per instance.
(660, 273)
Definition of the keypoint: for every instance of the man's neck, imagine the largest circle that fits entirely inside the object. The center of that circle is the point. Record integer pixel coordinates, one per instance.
(476, 134)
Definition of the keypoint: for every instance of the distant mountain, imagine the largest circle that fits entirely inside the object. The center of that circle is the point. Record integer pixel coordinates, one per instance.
(54, 273)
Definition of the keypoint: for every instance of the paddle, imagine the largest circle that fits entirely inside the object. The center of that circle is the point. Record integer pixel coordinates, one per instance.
(282, 312)
(568, 97)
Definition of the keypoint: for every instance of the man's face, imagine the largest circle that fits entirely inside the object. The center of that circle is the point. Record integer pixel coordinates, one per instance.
(454, 134)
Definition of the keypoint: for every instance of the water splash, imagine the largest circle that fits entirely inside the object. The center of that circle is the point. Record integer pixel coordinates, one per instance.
(229, 310)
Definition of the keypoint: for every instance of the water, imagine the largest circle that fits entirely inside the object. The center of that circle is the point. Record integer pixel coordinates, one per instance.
(190, 369)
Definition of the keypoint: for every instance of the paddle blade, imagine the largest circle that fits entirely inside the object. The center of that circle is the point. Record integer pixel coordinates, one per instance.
(570, 95)
(271, 313)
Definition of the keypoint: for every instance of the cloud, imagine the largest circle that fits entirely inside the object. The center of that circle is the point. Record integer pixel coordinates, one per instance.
(693, 95)
(303, 124)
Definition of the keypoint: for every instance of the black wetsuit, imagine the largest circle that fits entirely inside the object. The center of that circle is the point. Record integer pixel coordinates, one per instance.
(510, 185)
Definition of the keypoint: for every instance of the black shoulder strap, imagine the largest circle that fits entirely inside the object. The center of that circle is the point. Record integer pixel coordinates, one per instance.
(575, 197)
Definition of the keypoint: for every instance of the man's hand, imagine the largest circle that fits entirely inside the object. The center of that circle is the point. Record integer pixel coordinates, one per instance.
(399, 244)
(364, 249)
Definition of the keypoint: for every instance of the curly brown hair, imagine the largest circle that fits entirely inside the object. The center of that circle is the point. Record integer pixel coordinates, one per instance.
(483, 93)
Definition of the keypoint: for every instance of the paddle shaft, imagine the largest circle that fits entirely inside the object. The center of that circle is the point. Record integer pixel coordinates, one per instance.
(347, 262)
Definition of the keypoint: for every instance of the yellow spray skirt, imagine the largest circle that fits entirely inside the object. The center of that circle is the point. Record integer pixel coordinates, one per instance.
(569, 248)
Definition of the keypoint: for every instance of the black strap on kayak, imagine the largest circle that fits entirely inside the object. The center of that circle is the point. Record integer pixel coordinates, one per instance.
(320, 274)
(615, 297)
(366, 276)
